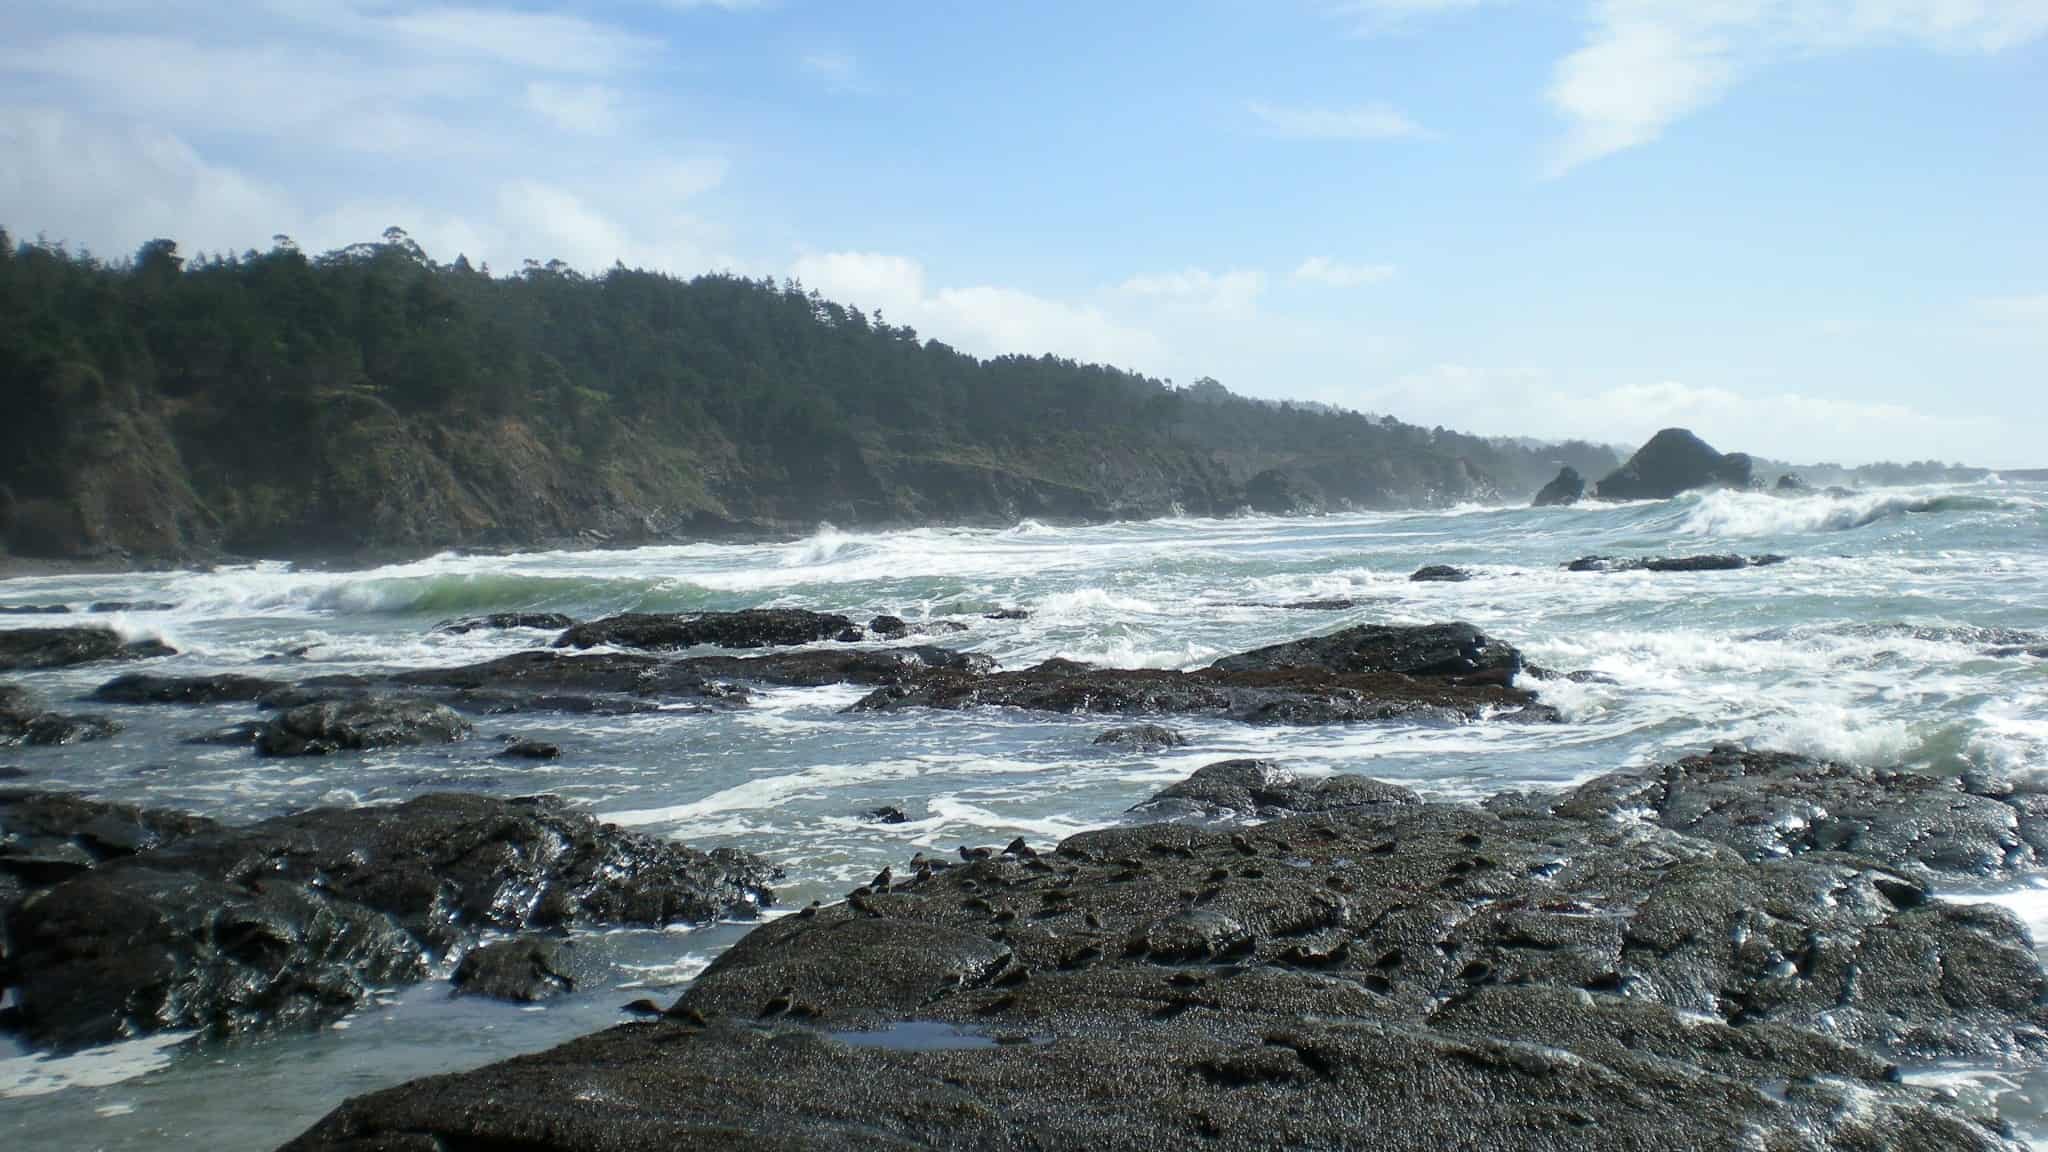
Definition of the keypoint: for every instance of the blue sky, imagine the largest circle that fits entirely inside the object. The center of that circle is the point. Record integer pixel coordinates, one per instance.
(1806, 229)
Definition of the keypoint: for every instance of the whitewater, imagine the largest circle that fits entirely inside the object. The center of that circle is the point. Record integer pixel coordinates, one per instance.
(1884, 639)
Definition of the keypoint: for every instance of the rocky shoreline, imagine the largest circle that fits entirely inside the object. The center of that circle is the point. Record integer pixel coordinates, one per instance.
(1735, 949)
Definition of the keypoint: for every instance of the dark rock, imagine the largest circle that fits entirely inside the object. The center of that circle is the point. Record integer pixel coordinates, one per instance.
(1674, 461)
(360, 725)
(529, 750)
(505, 621)
(887, 814)
(1008, 614)
(108, 607)
(1330, 605)
(896, 628)
(818, 667)
(1277, 492)
(293, 919)
(521, 971)
(753, 628)
(1440, 573)
(23, 720)
(145, 688)
(1263, 790)
(1720, 563)
(46, 837)
(11, 772)
(30, 648)
(1403, 975)
(642, 1007)
(552, 681)
(1771, 806)
(1142, 737)
(1435, 650)
(1568, 488)
(1791, 482)
(34, 609)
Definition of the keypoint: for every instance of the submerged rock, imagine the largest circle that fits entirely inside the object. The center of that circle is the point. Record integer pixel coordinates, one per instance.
(146, 688)
(1399, 975)
(752, 628)
(529, 750)
(360, 725)
(1142, 737)
(109, 607)
(896, 628)
(153, 921)
(1568, 488)
(35, 609)
(506, 621)
(24, 720)
(23, 649)
(1439, 574)
(1433, 650)
(1727, 562)
(1675, 461)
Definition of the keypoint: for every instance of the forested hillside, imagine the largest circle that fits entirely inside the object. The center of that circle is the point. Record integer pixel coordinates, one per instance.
(371, 399)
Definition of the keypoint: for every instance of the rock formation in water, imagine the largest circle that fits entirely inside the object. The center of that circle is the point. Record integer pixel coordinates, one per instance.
(1568, 488)
(1692, 955)
(1674, 461)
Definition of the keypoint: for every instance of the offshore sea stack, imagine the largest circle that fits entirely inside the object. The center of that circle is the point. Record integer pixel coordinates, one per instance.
(1734, 950)
(1674, 461)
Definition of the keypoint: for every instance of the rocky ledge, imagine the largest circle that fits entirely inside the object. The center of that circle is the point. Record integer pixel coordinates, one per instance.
(120, 921)
(1662, 958)
(1449, 672)
(26, 649)
(1726, 562)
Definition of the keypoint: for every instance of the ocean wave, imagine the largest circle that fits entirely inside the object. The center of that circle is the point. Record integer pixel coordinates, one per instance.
(1730, 513)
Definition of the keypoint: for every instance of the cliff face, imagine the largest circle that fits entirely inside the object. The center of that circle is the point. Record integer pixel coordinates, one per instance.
(371, 402)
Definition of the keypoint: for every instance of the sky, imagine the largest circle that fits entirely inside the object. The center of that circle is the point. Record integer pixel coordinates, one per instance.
(1809, 229)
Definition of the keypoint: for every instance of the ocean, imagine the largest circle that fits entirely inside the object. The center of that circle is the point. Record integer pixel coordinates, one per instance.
(1884, 638)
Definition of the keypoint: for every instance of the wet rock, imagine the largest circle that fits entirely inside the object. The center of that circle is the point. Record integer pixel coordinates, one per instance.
(1263, 790)
(126, 950)
(12, 772)
(753, 628)
(293, 919)
(24, 720)
(34, 609)
(1455, 651)
(553, 681)
(46, 837)
(1771, 805)
(505, 621)
(1280, 492)
(1792, 482)
(1440, 573)
(146, 688)
(1568, 488)
(109, 607)
(1405, 975)
(1675, 461)
(243, 735)
(30, 648)
(1008, 614)
(521, 971)
(360, 725)
(1717, 563)
(818, 667)
(887, 814)
(1142, 737)
(896, 628)
(529, 750)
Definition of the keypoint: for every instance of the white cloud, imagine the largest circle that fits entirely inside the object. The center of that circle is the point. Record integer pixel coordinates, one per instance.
(1232, 291)
(585, 109)
(1335, 274)
(1308, 122)
(984, 319)
(546, 41)
(1649, 63)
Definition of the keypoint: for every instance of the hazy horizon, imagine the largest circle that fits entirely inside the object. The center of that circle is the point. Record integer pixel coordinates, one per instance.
(1805, 230)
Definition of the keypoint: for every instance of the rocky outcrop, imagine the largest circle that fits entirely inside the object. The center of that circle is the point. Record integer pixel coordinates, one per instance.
(1531, 974)
(1446, 672)
(1263, 790)
(147, 688)
(1278, 492)
(523, 971)
(1675, 461)
(137, 921)
(360, 725)
(1439, 574)
(1725, 562)
(506, 621)
(24, 720)
(23, 649)
(897, 628)
(1568, 488)
(1141, 737)
(752, 628)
